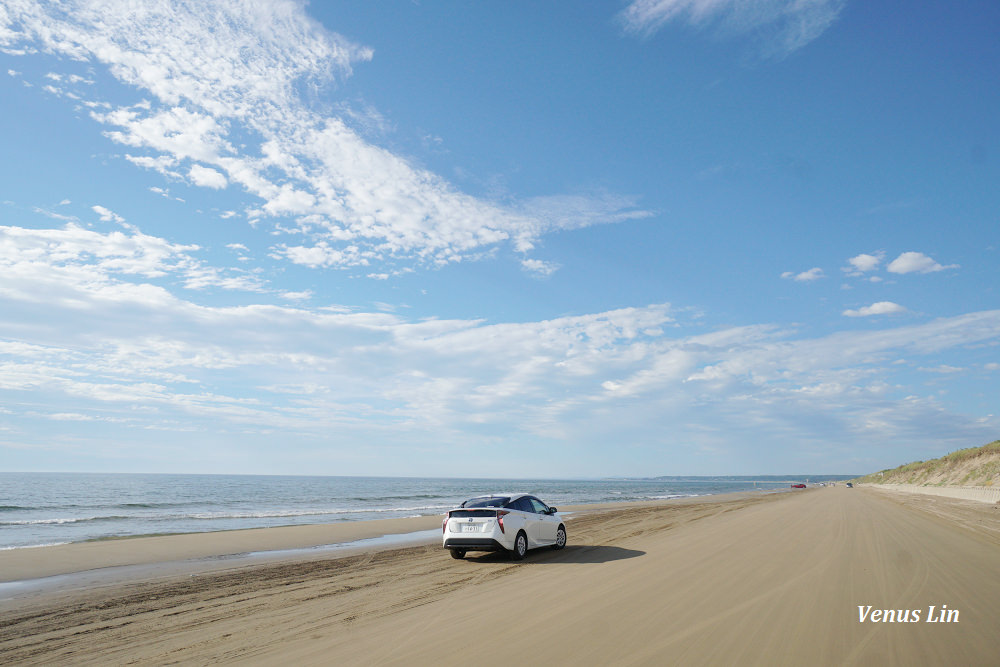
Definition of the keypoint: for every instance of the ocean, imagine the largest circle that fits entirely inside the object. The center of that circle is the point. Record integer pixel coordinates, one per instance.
(41, 509)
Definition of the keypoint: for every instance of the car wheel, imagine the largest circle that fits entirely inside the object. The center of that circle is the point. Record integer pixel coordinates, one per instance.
(520, 546)
(560, 538)
(458, 553)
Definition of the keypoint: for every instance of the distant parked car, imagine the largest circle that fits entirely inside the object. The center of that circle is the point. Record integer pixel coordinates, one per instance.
(798, 486)
(514, 523)
(850, 485)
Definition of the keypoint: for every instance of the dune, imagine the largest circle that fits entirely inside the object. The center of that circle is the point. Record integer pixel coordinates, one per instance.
(977, 467)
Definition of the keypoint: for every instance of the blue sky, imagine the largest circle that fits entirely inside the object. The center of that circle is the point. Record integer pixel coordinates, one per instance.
(519, 239)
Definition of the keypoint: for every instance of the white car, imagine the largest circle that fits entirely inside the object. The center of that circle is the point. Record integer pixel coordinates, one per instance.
(513, 522)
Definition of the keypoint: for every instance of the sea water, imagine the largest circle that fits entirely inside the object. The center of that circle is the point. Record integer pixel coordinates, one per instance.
(39, 509)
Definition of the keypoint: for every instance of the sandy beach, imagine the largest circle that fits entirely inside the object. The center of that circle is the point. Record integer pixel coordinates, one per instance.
(741, 579)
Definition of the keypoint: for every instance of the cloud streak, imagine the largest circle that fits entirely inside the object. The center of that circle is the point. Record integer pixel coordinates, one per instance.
(809, 276)
(785, 25)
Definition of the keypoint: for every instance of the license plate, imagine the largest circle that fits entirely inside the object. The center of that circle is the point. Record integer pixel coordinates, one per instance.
(470, 528)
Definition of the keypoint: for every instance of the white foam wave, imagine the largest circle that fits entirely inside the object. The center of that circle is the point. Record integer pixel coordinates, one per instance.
(42, 522)
(33, 546)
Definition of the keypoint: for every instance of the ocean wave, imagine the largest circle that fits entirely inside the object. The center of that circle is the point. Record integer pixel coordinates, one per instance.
(63, 520)
(415, 496)
(32, 546)
(152, 506)
(224, 515)
(409, 509)
(69, 507)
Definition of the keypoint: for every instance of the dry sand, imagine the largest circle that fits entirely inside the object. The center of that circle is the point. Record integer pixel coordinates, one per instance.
(757, 579)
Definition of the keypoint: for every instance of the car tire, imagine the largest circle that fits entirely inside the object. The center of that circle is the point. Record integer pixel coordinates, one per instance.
(458, 553)
(520, 546)
(560, 538)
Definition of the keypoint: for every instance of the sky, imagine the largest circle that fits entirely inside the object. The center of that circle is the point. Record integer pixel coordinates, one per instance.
(557, 239)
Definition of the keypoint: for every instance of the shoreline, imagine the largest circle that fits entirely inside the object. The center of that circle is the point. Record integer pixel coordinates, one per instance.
(161, 555)
(115, 576)
(30, 563)
(50, 509)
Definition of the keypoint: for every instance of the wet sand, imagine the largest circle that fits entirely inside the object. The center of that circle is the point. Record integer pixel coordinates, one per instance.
(20, 564)
(755, 579)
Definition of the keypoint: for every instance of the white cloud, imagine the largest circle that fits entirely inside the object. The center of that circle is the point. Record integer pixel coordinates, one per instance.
(57, 216)
(880, 308)
(323, 255)
(538, 267)
(37, 260)
(177, 132)
(164, 164)
(224, 107)
(814, 273)
(791, 23)
(70, 416)
(107, 215)
(863, 263)
(206, 177)
(916, 262)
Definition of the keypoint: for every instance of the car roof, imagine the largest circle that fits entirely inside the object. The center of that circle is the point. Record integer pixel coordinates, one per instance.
(510, 497)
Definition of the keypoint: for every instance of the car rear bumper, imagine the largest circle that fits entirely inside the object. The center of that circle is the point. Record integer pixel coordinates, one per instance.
(474, 544)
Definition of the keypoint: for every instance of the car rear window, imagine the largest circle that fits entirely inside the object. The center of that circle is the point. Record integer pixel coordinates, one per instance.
(487, 501)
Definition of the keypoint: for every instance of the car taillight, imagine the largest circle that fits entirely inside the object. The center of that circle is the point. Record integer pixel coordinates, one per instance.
(500, 515)
(444, 524)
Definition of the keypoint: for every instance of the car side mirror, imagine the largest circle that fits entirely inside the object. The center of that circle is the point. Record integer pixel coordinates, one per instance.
(552, 510)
